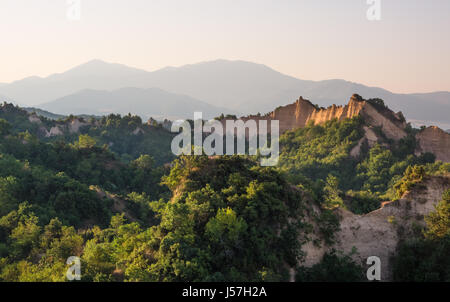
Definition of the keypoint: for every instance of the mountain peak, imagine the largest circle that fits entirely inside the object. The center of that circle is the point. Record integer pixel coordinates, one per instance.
(99, 67)
(96, 61)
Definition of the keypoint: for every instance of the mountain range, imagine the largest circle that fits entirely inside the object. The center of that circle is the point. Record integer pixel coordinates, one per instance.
(221, 86)
(151, 102)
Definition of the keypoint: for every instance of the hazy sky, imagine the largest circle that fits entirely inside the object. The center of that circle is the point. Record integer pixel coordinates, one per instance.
(407, 51)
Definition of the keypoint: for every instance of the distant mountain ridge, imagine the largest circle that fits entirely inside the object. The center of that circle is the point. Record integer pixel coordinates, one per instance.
(44, 113)
(151, 102)
(239, 86)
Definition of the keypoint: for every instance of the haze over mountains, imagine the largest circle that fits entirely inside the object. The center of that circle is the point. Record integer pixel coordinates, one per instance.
(215, 87)
(151, 102)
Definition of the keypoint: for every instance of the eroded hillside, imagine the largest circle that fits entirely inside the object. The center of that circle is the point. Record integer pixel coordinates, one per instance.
(377, 117)
(379, 232)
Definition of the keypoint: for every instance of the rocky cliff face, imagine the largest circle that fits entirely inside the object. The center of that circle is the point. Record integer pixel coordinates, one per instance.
(302, 112)
(73, 126)
(378, 233)
(375, 115)
(434, 140)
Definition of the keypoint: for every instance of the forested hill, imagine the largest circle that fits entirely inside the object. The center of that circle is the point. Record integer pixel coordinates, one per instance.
(128, 136)
(110, 191)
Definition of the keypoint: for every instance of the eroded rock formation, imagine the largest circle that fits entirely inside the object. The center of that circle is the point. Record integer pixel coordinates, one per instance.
(75, 125)
(302, 112)
(375, 115)
(378, 233)
(434, 140)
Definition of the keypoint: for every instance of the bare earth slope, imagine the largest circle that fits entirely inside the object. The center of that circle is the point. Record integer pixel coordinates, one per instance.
(436, 141)
(378, 233)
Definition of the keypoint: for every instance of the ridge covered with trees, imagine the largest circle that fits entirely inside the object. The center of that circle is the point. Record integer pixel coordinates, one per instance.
(114, 195)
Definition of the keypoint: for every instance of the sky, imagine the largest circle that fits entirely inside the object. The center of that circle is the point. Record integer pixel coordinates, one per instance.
(407, 51)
